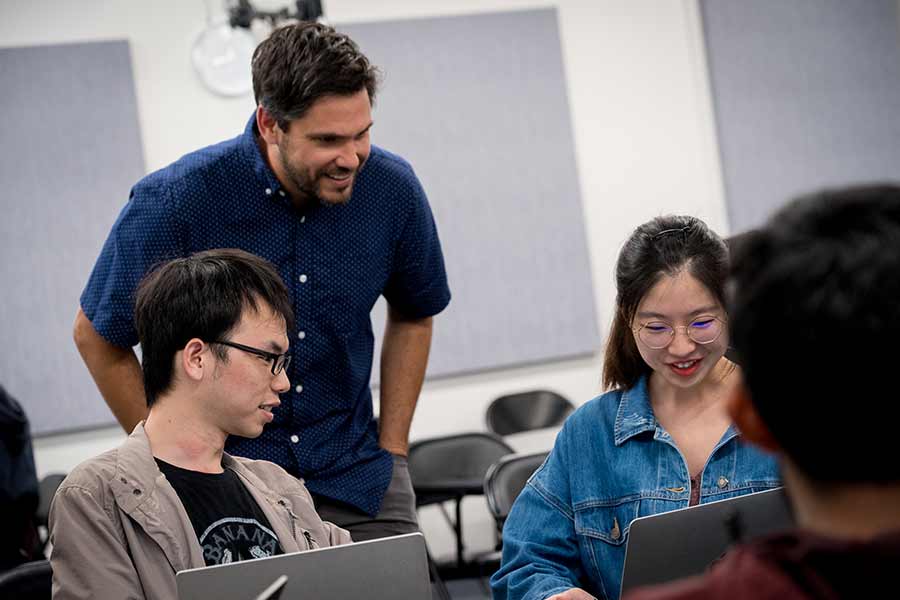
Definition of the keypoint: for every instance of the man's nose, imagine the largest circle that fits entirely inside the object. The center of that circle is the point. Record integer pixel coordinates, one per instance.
(349, 158)
(281, 383)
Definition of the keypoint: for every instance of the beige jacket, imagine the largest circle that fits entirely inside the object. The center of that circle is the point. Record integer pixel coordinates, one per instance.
(119, 530)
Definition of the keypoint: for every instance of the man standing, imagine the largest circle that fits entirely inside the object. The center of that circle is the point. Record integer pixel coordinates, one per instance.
(815, 323)
(213, 333)
(344, 222)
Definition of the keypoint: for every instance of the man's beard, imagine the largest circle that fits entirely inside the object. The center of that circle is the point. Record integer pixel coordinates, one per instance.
(308, 186)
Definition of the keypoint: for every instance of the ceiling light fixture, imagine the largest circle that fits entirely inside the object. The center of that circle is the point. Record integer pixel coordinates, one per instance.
(222, 51)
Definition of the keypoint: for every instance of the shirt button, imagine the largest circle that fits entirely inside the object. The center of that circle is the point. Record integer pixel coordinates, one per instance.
(298, 388)
(722, 482)
(301, 334)
(303, 278)
(281, 193)
(295, 439)
(268, 191)
(303, 219)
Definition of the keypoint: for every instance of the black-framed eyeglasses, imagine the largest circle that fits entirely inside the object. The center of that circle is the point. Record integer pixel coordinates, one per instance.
(659, 334)
(280, 362)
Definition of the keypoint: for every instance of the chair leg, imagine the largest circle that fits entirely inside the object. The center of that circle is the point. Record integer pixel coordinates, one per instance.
(460, 561)
(436, 579)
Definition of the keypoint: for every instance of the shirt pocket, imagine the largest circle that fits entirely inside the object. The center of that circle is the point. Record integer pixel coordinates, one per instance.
(345, 286)
(603, 534)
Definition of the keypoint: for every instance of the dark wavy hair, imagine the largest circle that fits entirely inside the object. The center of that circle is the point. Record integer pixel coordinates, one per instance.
(300, 63)
(663, 246)
(202, 296)
(814, 299)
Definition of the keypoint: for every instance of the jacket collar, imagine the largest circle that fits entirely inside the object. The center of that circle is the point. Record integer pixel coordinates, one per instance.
(142, 492)
(274, 505)
(635, 415)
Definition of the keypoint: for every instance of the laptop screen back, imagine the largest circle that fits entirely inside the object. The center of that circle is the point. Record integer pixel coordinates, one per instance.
(394, 567)
(685, 542)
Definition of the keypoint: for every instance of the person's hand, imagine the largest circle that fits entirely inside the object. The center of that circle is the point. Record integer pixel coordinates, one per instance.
(572, 594)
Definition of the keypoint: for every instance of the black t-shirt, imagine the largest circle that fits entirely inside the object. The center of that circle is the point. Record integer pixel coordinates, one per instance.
(229, 524)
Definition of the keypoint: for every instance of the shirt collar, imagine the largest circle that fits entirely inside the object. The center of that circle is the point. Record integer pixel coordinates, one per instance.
(252, 154)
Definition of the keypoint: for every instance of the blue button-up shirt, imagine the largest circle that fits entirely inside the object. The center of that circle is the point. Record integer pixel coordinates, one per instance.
(612, 463)
(336, 261)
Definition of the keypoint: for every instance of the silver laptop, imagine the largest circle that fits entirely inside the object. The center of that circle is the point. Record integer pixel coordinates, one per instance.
(685, 542)
(388, 568)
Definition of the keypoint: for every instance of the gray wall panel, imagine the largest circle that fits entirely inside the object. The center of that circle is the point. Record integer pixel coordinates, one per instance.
(806, 93)
(70, 150)
(478, 105)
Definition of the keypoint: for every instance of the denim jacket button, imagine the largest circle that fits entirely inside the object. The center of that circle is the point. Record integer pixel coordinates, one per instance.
(722, 483)
(615, 532)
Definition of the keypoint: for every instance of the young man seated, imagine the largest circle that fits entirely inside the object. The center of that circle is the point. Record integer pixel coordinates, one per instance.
(815, 321)
(213, 333)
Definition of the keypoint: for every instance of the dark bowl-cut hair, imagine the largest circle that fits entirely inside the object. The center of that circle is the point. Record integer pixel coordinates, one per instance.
(202, 296)
(814, 299)
(302, 62)
(663, 246)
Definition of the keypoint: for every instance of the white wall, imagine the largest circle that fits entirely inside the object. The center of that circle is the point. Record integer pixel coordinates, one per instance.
(644, 135)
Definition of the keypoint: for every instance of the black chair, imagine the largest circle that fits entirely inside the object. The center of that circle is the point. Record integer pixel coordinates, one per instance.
(505, 480)
(451, 468)
(29, 581)
(525, 411)
(46, 490)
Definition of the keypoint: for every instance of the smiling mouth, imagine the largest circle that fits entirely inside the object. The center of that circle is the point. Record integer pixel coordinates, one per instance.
(339, 177)
(686, 367)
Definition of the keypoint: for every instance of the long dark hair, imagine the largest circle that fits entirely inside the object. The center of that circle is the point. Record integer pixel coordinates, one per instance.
(663, 246)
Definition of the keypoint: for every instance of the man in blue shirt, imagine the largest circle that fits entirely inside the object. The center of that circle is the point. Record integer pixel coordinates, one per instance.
(344, 222)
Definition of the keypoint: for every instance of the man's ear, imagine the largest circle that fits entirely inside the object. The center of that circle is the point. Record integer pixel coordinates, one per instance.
(745, 416)
(195, 359)
(267, 125)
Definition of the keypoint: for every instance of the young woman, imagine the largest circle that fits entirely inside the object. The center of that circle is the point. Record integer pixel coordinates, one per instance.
(661, 439)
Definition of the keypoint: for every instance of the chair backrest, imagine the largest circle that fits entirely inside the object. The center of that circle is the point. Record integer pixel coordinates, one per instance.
(46, 490)
(526, 411)
(29, 581)
(454, 464)
(505, 480)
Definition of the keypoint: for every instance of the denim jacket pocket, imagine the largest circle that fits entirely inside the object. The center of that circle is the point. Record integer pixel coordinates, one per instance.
(607, 523)
(603, 533)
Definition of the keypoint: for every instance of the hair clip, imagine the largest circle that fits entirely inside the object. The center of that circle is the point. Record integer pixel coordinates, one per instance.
(682, 230)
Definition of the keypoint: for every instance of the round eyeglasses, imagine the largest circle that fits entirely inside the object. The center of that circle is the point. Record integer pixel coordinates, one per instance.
(659, 334)
(280, 362)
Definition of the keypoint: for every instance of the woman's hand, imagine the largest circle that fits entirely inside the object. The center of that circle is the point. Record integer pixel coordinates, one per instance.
(572, 594)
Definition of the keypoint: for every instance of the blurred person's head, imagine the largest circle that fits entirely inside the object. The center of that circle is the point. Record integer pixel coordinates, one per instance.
(814, 300)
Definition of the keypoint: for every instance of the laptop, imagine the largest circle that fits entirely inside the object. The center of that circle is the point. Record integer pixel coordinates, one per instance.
(685, 542)
(383, 569)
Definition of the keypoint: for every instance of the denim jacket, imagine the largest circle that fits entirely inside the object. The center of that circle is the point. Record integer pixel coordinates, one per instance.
(612, 462)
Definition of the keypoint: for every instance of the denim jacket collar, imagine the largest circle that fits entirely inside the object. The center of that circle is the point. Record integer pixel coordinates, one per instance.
(635, 415)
